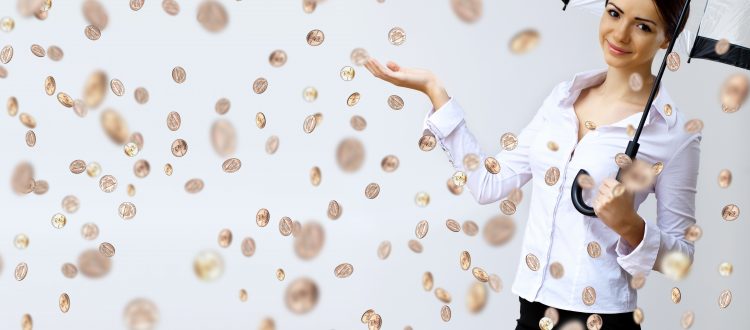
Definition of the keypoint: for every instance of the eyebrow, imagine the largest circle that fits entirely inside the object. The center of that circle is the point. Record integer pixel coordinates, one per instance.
(637, 18)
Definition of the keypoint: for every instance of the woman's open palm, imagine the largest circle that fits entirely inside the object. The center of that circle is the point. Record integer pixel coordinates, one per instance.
(414, 78)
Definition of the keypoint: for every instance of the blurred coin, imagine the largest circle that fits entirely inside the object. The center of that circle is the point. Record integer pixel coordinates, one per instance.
(498, 230)
(687, 319)
(725, 269)
(734, 92)
(315, 37)
(171, 7)
(556, 270)
(693, 126)
(194, 186)
(59, 220)
(730, 212)
(427, 142)
(496, 284)
(725, 298)
(422, 199)
(551, 176)
(301, 296)
(93, 264)
(443, 295)
(389, 163)
(95, 89)
(95, 14)
(676, 295)
(594, 322)
(50, 86)
(223, 137)
(415, 246)
(277, 58)
(509, 141)
(141, 314)
(395, 102)
(69, 270)
(396, 36)
(725, 178)
(6, 54)
(114, 126)
(427, 281)
(359, 56)
(673, 61)
(445, 313)
(310, 241)
(470, 228)
(636, 81)
(693, 233)
(524, 41)
(107, 249)
(675, 265)
(468, 11)
(334, 210)
(350, 155)
(27, 120)
(126, 210)
(208, 265)
(22, 269)
(212, 16)
(178, 73)
(384, 250)
(272, 144)
(343, 270)
(89, 231)
(136, 5)
(92, 32)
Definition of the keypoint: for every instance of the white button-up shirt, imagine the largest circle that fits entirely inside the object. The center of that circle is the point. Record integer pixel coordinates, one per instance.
(555, 230)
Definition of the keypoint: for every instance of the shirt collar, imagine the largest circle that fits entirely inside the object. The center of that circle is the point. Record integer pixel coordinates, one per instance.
(662, 101)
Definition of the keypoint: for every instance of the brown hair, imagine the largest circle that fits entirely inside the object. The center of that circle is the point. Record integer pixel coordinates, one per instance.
(670, 10)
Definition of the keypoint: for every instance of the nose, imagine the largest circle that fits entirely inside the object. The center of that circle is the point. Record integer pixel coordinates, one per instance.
(622, 32)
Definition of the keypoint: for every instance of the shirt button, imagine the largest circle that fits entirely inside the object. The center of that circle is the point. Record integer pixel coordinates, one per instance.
(532, 262)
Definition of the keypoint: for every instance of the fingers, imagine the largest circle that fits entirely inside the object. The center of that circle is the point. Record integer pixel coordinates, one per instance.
(377, 69)
(393, 66)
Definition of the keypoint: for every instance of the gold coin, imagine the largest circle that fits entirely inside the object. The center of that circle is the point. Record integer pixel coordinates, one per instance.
(347, 73)
(64, 302)
(126, 210)
(635, 81)
(131, 190)
(315, 37)
(725, 298)
(89, 231)
(657, 168)
(95, 14)
(50, 86)
(334, 210)
(464, 260)
(343, 270)
(7, 24)
(309, 241)
(594, 249)
(93, 264)
(734, 92)
(471, 161)
(247, 246)
(588, 296)
(722, 46)
(114, 126)
(194, 186)
(95, 89)
(675, 265)
(459, 178)
(637, 281)
(353, 99)
(445, 313)
(676, 295)
(443, 295)
(168, 169)
(507, 207)
(223, 138)
(277, 58)
(421, 230)
(171, 7)
(92, 32)
(693, 126)
(453, 188)
(225, 238)
(687, 319)
(725, 178)
(453, 225)
(22, 269)
(384, 250)
(59, 220)
(725, 269)
(551, 176)
(107, 249)
(524, 41)
(136, 5)
(594, 322)
(415, 246)
(496, 284)
(212, 16)
(141, 168)
(693, 233)
(476, 297)
(21, 241)
(301, 295)
(359, 56)
(41, 187)
(673, 61)
(108, 183)
(470, 228)
(173, 121)
(492, 165)
(27, 120)
(6, 54)
(141, 314)
(396, 36)
(427, 142)
(65, 100)
(367, 315)
(141, 95)
(179, 75)
(12, 106)
(469, 11)
(480, 274)
(556, 270)
(552, 146)
(427, 281)
(243, 295)
(3, 73)
(509, 141)
(315, 176)
(372, 190)
(590, 125)
(395, 102)
(532, 262)
(130, 149)
(498, 230)
(375, 322)
(222, 105)
(668, 109)
(422, 199)
(358, 123)
(117, 87)
(285, 226)
(545, 323)
(623, 160)
(208, 265)
(69, 270)
(231, 165)
(309, 124)
(260, 120)
(586, 181)
(262, 217)
(260, 85)
(730, 212)
(30, 138)
(179, 148)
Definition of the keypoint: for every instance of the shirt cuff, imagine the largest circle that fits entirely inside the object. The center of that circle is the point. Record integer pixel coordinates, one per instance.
(445, 119)
(641, 259)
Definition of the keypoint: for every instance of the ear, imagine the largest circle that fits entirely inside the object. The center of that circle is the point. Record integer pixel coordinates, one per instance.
(665, 44)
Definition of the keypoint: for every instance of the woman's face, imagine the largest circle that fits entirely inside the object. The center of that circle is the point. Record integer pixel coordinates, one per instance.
(631, 32)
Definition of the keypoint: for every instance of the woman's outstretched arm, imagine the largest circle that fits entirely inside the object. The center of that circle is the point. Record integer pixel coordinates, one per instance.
(446, 121)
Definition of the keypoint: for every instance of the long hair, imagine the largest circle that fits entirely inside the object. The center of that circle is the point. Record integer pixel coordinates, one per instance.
(669, 10)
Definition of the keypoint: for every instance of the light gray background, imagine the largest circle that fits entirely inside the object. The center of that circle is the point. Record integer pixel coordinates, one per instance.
(499, 91)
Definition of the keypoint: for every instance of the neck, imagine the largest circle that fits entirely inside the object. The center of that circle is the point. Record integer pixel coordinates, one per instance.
(616, 85)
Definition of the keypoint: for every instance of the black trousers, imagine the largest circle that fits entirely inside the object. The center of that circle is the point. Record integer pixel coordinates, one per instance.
(532, 312)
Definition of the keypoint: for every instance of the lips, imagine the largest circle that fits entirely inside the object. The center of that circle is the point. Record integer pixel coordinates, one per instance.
(616, 49)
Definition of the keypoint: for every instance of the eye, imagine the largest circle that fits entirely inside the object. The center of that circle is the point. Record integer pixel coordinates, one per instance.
(644, 27)
(613, 13)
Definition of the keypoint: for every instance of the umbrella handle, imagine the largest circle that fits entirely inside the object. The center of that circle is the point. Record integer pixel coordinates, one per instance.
(576, 194)
(565, 4)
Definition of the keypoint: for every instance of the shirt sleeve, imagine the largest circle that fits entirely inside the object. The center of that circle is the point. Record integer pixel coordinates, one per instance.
(675, 213)
(454, 137)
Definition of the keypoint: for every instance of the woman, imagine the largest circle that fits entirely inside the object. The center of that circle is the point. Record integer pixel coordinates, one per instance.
(584, 266)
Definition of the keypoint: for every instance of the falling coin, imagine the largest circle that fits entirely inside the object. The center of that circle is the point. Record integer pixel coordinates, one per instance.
(194, 186)
(130, 149)
(480, 274)
(108, 183)
(69, 270)
(445, 313)
(262, 217)
(687, 319)
(421, 230)
(725, 298)
(532, 262)
(212, 16)
(50, 86)
(315, 37)
(343, 270)
(65, 99)
(693, 233)
(693, 126)
(415, 246)
(586, 181)
(173, 121)
(427, 142)
(309, 124)
(453, 225)
(468, 11)
(126, 210)
(372, 190)
(30, 138)
(507, 207)
(725, 178)
(6, 54)
(673, 61)
(22, 269)
(594, 322)
(277, 58)
(492, 165)
(545, 323)
(334, 210)
(89, 231)
(359, 56)
(208, 265)
(638, 281)
(588, 296)
(396, 36)
(59, 220)
(594, 249)
(285, 226)
(309, 241)
(470, 228)
(347, 73)
(730, 212)
(136, 5)
(301, 296)
(524, 41)
(7, 24)
(179, 75)
(675, 265)
(459, 178)
(636, 81)
(722, 46)
(107, 249)
(725, 269)
(260, 85)
(93, 264)
(179, 148)
(551, 176)
(117, 87)
(496, 284)
(395, 102)
(443, 295)
(92, 32)
(171, 7)
(676, 295)
(509, 141)
(556, 270)
(272, 144)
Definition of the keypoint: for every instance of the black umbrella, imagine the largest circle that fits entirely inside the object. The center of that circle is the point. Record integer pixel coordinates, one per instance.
(723, 21)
